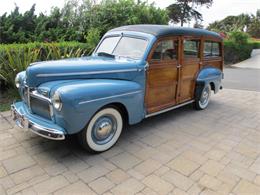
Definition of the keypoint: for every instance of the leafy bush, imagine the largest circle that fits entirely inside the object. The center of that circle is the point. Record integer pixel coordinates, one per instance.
(234, 53)
(238, 37)
(93, 37)
(16, 57)
(14, 61)
(237, 47)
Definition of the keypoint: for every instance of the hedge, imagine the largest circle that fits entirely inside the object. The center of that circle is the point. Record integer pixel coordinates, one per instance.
(234, 53)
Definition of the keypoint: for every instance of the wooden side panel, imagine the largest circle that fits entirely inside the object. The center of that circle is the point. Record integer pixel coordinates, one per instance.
(162, 85)
(216, 62)
(172, 82)
(189, 71)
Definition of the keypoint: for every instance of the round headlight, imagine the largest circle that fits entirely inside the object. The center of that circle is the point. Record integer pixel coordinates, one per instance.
(17, 81)
(56, 101)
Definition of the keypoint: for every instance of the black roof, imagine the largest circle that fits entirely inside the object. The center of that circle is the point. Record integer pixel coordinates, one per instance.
(164, 30)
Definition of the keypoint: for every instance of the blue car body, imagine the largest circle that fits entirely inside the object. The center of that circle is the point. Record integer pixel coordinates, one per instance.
(87, 84)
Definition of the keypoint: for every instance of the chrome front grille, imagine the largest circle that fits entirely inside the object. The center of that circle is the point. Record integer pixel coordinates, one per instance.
(37, 103)
(40, 107)
(26, 95)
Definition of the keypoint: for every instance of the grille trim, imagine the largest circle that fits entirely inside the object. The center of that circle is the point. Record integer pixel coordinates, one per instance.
(40, 105)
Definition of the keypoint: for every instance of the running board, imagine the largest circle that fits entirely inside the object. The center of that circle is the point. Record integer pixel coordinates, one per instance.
(169, 109)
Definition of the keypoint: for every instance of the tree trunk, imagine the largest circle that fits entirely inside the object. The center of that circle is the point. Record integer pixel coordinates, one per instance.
(185, 3)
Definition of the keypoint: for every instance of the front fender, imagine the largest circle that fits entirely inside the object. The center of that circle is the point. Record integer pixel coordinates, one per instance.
(83, 98)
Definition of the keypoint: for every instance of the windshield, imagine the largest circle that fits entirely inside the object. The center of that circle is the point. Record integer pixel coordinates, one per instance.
(123, 47)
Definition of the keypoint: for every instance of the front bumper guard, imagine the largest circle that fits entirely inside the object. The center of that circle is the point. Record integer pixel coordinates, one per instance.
(24, 123)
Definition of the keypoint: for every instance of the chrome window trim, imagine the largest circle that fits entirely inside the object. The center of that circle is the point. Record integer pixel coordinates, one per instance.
(113, 96)
(86, 73)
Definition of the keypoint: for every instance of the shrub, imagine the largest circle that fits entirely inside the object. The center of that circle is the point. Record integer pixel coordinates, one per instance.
(234, 53)
(238, 37)
(14, 61)
(93, 37)
(16, 57)
(238, 47)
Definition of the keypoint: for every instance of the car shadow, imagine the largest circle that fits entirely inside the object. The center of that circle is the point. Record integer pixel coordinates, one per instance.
(70, 145)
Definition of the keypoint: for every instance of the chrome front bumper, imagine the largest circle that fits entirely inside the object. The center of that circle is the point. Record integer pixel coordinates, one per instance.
(25, 123)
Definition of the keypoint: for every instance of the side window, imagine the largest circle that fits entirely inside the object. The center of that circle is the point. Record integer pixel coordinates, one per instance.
(215, 49)
(166, 50)
(211, 49)
(191, 48)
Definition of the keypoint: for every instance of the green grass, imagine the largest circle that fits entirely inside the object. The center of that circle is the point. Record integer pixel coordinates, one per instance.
(5, 107)
(7, 98)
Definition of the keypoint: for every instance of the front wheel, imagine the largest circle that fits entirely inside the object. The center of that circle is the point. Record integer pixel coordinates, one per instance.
(203, 100)
(102, 131)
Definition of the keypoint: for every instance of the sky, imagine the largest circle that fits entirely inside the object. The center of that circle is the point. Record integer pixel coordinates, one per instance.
(219, 10)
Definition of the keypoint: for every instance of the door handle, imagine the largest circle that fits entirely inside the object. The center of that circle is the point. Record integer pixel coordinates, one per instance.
(178, 66)
(146, 67)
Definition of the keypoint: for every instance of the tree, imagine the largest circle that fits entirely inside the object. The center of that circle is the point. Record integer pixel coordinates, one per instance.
(184, 11)
(197, 24)
(254, 27)
(243, 23)
(77, 20)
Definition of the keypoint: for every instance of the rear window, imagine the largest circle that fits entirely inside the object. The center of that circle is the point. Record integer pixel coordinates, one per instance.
(211, 49)
(191, 48)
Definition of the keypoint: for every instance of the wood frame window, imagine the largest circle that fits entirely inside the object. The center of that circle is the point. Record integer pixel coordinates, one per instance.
(166, 49)
(191, 48)
(211, 49)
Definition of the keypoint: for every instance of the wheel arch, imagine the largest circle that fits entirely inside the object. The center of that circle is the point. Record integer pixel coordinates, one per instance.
(209, 75)
(121, 108)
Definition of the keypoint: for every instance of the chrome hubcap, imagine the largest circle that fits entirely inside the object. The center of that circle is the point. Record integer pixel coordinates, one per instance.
(205, 96)
(104, 129)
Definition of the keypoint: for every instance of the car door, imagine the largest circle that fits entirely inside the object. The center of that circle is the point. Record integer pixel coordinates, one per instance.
(190, 65)
(162, 75)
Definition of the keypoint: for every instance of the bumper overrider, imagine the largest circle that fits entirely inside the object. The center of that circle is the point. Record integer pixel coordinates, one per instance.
(25, 120)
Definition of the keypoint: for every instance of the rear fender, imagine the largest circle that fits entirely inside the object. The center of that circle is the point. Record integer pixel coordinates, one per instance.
(208, 75)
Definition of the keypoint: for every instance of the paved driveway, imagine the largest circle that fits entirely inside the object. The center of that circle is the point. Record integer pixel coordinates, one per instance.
(242, 78)
(253, 62)
(216, 151)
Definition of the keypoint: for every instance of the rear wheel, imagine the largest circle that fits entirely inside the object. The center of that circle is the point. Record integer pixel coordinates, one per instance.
(103, 130)
(202, 101)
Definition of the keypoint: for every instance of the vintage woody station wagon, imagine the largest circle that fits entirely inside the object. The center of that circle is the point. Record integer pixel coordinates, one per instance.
(135, 72)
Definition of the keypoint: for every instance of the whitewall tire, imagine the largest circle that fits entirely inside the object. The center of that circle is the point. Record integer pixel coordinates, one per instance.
(103, 130)
(204, 97)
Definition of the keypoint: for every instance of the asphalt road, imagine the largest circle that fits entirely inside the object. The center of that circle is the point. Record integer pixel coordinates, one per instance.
(242, 78)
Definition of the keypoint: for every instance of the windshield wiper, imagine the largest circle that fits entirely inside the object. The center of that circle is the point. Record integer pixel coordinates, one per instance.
(128, 57)
(104, 54)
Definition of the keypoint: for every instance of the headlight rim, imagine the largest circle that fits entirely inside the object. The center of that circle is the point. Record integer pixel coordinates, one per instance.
(56, 101)
(17, 81)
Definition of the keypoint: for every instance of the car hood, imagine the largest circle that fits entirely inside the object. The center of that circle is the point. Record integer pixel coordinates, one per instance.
(81, 68)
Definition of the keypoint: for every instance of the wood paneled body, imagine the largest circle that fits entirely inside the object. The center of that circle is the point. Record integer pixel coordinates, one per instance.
(189, 71)
(161, 85)
(172, 81)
